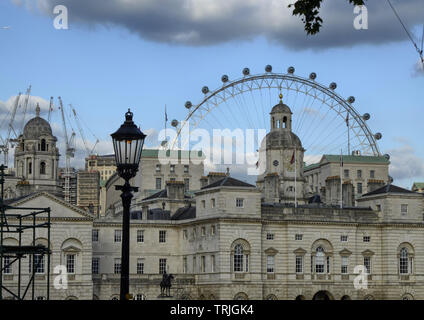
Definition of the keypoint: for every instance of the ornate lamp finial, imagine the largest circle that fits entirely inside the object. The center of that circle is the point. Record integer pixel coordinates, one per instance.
(281, 97)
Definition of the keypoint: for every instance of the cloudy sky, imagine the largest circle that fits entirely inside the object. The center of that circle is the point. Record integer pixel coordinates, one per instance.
(147, 53)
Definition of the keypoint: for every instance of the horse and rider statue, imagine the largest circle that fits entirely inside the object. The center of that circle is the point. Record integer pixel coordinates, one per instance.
(165, 285)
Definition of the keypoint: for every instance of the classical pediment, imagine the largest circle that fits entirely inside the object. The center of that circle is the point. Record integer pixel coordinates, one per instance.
(299, 251)
(271, 251)
(345, 252)
(367, 253)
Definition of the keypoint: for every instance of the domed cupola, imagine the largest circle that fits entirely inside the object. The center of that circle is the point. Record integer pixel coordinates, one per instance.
(37, 127)
(281, 116)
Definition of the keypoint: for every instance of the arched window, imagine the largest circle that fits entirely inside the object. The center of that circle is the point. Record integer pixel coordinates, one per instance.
(43, 145)
(42, 168)
(285, 122)
(403, 261)
(30, 168)
(319, 260)
(240, 250)
(238, 258)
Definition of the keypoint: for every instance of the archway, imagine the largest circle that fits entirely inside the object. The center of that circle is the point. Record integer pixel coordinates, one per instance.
(345, 297)
(300, 297)
(323, 295)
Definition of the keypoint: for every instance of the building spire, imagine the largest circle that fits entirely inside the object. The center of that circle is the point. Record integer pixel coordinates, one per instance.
(37, 110)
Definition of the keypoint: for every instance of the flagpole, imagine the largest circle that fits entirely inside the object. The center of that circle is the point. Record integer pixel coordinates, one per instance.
(341, 179)
(295, 176)
(348, 134)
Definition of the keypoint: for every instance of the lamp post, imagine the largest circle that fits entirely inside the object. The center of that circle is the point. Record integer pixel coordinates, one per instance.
(128, 143)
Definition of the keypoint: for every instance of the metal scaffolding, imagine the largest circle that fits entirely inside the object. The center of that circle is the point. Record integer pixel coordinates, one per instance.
(10, 255)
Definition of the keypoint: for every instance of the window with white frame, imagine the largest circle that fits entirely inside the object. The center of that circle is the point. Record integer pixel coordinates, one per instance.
(270, 236)
(344, 265)
(162, 236)
(70, 263)
(158, 183)
(186, 168)
(118, 236)
(140, 296)
(299, 264)
(158, 168)
(140, 235)
(172, 168)
(117, 266)
(367, 239)
(404, 209)
(367, 264)
(162, 266)
(372, 174)
(95, 265)
(359, 174)
(298, 236)
(239, 202)
(95, 235)
(7, 268)
(186, 185)
(343, 238)
(270, 259)
(140, 266)
(319, 260)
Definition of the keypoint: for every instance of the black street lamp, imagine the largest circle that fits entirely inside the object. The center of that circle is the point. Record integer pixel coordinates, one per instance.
(128, 143)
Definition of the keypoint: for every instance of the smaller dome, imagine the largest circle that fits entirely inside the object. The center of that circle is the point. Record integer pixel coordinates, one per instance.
(281, 108)
(37, 127)
(282, 138)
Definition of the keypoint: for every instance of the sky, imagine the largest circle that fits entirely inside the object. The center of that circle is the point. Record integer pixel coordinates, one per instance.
(147, 54)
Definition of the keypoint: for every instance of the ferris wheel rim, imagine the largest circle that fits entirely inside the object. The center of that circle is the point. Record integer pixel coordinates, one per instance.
(294, 78)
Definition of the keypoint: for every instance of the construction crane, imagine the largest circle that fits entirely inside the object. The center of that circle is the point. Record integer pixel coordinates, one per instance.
(27, 98)
(70, 152)
(6, 142)
(50, 109)
(84, 140)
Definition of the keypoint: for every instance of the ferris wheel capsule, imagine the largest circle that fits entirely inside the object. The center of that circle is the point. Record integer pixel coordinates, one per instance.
(378, 136)
(366, 116)
(246, 71)
(333, 86)
(188, 104)
(313, 76)
(387, 156)
(224, 78)
(268, 68)
(174, 123)
(290, 70)
(351, 99)
(205, 89)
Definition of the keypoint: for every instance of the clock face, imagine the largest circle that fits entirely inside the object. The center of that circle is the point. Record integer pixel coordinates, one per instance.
(275, 163)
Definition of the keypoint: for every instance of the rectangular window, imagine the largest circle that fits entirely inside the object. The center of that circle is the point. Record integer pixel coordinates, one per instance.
(367, 238)
(346, 173)
(328, 264)
(239, 202)
(298, 236)
(203, 264)
(158, 183)
(378, 206)
(404, 209)
(70, 263)
(186, 185)
(344, 266)
(367, 264)
(372, 174)
(140, 266)
(203, 231)
(117, 266)
(212, 263)
(343, 238)
(212, 230)
(95, 235)
(186, 168)
(359, 188)
(7, 269)
(162, 236)
(158, 168)
(140, 235)
(184, 234)
(95, 266)
(212, 203)
(118, 235)
(194, 264)
(359, 174)
(172, 168)
(270, 264)
(185, 265)
(299, 264)
(162, 266)
(203, 204)
(270, 236)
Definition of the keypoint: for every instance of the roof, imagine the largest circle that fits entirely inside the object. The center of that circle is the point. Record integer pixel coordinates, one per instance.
(355, 159)
(37, 127)
(281, 108)
(311, 166)
(389, 188)
(162, 194)
(228, 182)
(158, 214)
(154, 153)
(282, 138)
(184, 213)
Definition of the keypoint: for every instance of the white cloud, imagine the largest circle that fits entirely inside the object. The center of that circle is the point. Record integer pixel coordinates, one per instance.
(205, 22)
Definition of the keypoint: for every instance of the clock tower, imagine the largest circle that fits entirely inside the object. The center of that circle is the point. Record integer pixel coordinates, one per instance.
(281, 160)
